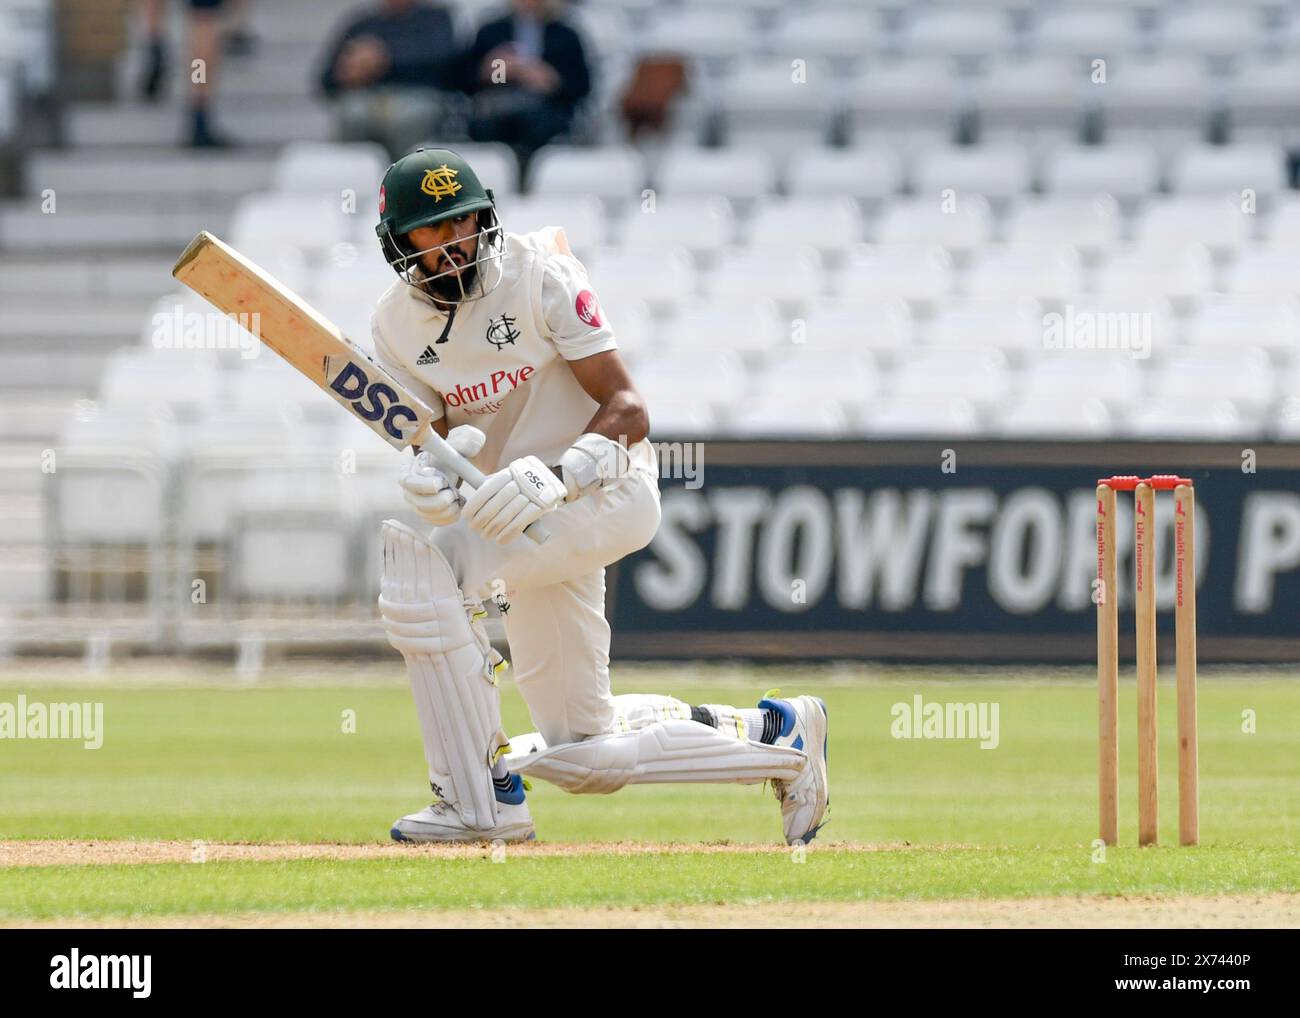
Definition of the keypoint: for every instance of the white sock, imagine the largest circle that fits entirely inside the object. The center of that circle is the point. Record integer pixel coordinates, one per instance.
(740, 722)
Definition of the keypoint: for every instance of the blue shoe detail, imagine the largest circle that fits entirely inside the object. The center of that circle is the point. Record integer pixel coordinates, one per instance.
(397, 835)
(514, 796)
(826, 746)
(787, 713)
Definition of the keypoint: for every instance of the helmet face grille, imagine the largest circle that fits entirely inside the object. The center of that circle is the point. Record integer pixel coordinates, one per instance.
(457, 284)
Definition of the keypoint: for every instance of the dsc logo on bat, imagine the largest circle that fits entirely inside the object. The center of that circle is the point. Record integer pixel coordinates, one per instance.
(369, 400)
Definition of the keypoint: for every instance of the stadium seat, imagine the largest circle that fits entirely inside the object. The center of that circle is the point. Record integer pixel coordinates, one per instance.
(1174, 274)
(331, 168)
(923, 416)
(633, 325)
(701, 224)
(841, 34)
(739, 174)
(995, 171)
(881, 327)
(1090, 223)
(760, 106)
(746, 325)
(665, 279)
(1049, 274)
(1283, 225)
(1236, 323)
(1086, 32)
(1181, 419)
(958, 225)
(1286, 424)
(780, 417)
(1243, 375)
(268, 385)
(1112, 376)
(917, 274)
(350, 290)
(1039, 98)
(715, 378)
(276, 221)
(1229, 169)
(908, 101)
(1009, 325)
(711, 36)
(581, 216)
(981, 376)
(675, 418)
(1055, 417)
(791, 275)
(818, 377)
(868, 172)
(1154, 98)
(1125, 171)
(950, 32)
(831, 224)
(1220, 222)
(615, 174)
(1265, 272)
(186, 382)
(1210, 31)
(1260, 98)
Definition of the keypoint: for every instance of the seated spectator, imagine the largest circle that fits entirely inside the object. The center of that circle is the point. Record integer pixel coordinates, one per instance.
(387, 71)
(526, 73)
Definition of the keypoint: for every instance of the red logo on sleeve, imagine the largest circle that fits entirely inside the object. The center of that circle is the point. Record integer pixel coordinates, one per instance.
(587, 308)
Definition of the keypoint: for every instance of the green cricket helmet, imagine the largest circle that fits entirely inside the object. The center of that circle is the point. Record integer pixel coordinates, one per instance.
(427, 187)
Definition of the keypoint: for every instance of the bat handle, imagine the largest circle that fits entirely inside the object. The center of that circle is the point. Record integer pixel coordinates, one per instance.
(445, 456)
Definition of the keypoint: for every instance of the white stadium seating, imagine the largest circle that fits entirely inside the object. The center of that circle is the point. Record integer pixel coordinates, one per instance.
(1122, 170)
(957, 222)
(866, 172)
(995, 171)
(615, 174)
(917, 274)
(865, 218)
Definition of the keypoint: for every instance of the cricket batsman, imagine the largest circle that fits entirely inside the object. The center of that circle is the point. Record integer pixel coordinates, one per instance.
(502, 335)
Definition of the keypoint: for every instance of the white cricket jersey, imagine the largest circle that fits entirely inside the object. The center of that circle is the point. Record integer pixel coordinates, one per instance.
(502, 365)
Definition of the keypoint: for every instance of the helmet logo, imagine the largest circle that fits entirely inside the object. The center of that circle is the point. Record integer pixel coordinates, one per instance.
(383, 197)
(440, 183)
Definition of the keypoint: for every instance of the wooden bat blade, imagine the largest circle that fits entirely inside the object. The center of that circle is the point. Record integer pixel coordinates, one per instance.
(305, 338)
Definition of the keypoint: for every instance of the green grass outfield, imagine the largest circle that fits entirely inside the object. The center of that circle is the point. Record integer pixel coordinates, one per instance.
(910, 819)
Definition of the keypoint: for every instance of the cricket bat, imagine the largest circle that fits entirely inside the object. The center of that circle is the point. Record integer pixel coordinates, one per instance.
(314, 345)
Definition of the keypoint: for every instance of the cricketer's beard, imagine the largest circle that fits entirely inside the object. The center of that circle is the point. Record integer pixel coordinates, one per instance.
(452, 288)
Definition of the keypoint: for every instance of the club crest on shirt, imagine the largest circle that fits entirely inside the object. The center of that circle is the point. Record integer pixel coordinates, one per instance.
(501, 331)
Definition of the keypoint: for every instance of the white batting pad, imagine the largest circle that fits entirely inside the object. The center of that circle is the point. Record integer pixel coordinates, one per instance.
(452, 668)
(661, 752)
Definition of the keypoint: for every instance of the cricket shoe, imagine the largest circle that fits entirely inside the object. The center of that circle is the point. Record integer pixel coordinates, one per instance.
(805, 801)
(441, 822)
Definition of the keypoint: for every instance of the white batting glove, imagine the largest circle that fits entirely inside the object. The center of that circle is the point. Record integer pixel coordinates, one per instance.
(430, 489)
(512, 499)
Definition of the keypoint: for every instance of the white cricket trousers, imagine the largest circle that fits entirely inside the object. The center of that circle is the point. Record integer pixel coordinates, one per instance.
(555, 622)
